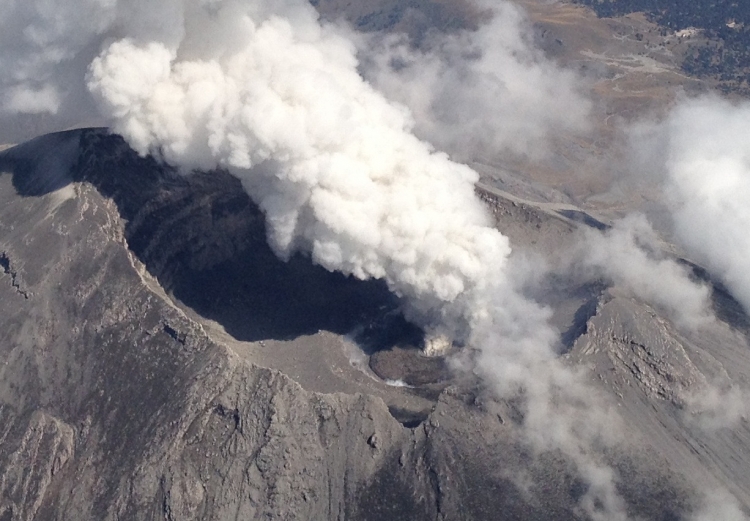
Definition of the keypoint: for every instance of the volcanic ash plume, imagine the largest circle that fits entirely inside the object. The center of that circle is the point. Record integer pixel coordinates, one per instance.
(278, 101)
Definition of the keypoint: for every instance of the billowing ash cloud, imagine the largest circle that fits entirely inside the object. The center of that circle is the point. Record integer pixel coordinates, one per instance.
(487, 91)
(332, 163)
(265, 90)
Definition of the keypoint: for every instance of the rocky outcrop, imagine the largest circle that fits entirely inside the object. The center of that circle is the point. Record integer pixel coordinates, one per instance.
(44, 447)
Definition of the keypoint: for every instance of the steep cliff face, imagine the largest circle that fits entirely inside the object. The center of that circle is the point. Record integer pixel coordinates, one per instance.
(158, 362)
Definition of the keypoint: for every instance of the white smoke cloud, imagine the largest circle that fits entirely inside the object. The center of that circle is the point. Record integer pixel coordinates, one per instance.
(715, 406)
(706, 172)
(487, 91)
(631, 256)
(561, 412)
(708, 186)
(337, 171)
(39, 39)
(26, 100)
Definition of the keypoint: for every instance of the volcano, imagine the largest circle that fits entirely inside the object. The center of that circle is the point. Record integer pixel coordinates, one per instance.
(262, 291)
(160, 361)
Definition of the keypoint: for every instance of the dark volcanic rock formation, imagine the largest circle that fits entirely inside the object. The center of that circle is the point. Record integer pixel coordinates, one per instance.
(143, 322)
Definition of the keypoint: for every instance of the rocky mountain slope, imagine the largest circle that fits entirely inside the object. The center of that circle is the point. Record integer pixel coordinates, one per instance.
(159, 363)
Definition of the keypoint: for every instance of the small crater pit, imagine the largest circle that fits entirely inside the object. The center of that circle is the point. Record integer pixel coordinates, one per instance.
(410, 366)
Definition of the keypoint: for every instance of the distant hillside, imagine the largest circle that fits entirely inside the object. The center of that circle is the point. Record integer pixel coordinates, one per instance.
(414, 17)
(725, 52)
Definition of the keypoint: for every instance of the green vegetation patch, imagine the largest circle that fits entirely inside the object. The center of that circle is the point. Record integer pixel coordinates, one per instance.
(724, 53)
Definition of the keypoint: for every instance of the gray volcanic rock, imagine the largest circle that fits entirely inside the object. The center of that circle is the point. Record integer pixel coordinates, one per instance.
(157, 362)
(653, 369)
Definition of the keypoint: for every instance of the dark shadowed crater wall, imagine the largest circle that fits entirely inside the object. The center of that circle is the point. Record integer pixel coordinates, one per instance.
(204, 240)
